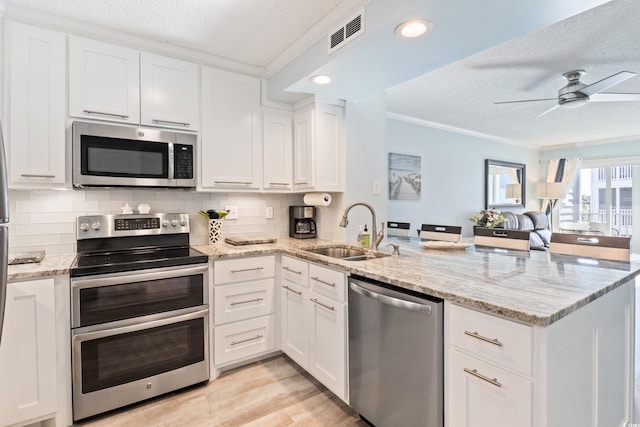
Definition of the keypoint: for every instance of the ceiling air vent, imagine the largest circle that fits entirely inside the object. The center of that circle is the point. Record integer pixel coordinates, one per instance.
(347, 32)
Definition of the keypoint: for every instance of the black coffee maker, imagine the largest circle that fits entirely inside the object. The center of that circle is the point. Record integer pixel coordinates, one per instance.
(301, 222)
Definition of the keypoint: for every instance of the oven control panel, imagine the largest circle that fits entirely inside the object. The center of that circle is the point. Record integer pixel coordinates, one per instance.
(104, 226)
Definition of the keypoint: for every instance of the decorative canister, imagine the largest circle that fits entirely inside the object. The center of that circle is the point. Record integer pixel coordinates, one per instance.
(215, 231)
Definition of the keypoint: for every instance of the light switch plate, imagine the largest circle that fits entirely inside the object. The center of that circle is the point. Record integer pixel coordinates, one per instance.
(376, 189)
(233, 212)
(269, 212)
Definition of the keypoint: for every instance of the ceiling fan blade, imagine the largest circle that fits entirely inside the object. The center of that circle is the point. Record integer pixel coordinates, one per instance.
(527, 100)
(607, 82)
(605, 97)
(548, 111)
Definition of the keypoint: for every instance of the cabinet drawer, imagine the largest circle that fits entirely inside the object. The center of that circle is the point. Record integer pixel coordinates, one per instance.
(502, 341)
(482, 395)
(295, 270)
(243, 301)
(244, 339)
(243, 269)
(327, 282)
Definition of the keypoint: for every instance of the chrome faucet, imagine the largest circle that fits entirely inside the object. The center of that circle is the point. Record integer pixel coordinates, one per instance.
(375, 238)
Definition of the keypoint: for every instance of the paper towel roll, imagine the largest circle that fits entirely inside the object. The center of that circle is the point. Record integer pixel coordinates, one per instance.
(317, 199)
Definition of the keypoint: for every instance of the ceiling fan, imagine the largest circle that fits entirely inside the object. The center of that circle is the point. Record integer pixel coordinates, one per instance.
(576, 94)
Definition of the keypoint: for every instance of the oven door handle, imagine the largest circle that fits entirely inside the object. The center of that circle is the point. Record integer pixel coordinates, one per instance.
(134, 276)
(88, 336)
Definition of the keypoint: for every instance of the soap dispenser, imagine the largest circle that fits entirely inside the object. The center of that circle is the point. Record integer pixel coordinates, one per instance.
(365, 241)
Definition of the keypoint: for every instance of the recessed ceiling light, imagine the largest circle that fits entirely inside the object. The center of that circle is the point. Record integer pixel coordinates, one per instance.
(321, 79)
(414, 28)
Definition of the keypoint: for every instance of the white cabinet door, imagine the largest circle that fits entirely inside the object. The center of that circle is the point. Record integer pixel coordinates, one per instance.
(231, 154)
(28, 389)
(36, 90)
(294, 304)
(303, 131)
(481, 395)
(329, 154)
(327, 343)
(319, 148)
(104, 81)
(169, 92)
(277, 148)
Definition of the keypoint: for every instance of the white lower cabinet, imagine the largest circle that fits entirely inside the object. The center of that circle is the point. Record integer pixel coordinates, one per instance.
(484, 395)
(313, 326)
(327, 343)
(28, 381)
(294, 331)
(499, 372)
(244, 309)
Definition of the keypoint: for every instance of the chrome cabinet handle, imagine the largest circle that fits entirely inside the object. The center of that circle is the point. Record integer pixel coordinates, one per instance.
(32, 175)
(317, 279)
(300, 183)
(100, 113)
(244, 270)
(500, 233)
(257, 337)
(476, 374)
(282, 184)
(493, 341)
(323, 305)
(290, 270)
(247, 301)
(292, 290)
(591, 240)
(169, 122)
(233, 182)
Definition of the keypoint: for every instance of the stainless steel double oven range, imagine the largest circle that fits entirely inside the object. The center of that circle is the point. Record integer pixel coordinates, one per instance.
(139, 311)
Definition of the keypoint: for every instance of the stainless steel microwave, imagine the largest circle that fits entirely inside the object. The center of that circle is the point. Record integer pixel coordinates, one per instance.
(107, 155)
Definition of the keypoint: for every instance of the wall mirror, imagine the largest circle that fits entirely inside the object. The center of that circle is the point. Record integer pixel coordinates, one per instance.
(504, 184)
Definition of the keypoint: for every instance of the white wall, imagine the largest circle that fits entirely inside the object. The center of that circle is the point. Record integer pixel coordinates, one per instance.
(453, 174)
(46, 219)
(366, 161)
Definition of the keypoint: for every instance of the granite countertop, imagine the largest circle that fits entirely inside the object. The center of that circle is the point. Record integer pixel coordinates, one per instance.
(534, 287)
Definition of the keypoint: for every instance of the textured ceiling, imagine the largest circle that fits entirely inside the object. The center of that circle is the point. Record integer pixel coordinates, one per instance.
(602, 41)
(459, 96)
(252, 32)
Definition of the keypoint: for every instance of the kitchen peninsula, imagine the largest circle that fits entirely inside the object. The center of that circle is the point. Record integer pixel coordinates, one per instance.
(565, 326)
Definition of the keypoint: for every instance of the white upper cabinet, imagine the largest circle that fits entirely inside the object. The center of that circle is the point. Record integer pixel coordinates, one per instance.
(169, 92)
(277, 145)
(303, 129)
(231, 156)
(35, 93)
(319, 148)
(103, 81)
(119, 84)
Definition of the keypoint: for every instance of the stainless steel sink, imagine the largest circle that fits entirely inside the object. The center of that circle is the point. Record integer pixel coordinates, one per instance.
(347, 253)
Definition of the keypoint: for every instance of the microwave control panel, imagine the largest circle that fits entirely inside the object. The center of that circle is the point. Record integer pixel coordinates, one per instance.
(183, 161)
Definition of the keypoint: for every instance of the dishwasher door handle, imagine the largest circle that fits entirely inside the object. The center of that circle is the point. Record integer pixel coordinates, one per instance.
(387, 300)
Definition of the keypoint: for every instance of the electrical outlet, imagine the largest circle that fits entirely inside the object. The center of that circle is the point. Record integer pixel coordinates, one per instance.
(376, 186)
(233, 212)
(269, 212)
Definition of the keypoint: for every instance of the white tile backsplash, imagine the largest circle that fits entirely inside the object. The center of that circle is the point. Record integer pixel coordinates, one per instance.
(47, 219)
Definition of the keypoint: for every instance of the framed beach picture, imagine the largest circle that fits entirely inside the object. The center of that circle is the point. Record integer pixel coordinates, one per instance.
(405, 177)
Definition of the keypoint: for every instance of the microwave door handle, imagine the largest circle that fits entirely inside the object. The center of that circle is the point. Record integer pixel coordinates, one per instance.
(171, 162)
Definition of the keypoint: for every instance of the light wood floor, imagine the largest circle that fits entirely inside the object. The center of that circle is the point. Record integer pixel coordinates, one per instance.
(274, 392)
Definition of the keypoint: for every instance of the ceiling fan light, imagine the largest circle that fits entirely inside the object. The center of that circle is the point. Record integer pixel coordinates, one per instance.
(321, 79)
(414, 28)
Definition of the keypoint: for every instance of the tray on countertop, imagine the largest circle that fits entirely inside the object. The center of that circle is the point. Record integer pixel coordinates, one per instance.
(437, 244)
(26, 258)
(242, 241)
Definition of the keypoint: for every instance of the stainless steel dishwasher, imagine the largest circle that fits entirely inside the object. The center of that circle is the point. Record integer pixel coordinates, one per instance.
(395, 355)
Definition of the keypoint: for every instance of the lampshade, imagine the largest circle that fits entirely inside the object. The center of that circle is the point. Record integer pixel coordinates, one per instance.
(513, 191)
(552, 190)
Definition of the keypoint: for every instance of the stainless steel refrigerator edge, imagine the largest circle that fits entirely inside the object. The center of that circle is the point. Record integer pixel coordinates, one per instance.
(4, 232)
(395, 356)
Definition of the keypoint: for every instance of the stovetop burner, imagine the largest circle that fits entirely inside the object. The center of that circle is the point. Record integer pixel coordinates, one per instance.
(121, 243)
(115, 262)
